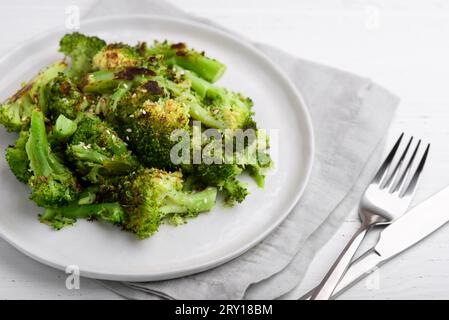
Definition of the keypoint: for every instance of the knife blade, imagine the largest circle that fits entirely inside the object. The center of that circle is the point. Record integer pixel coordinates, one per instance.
(418, 223)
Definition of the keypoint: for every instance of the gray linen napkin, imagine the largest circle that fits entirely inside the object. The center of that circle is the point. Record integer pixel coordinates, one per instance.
(350, 115)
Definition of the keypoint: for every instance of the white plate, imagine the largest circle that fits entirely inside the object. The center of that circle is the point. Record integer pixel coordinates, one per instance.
(105, 252)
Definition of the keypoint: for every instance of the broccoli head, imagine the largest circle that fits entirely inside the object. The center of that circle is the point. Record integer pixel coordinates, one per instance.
(153, 123)
(151, 195)
(51, 182)
(97, 150)
(229, 110)
(116, 56)
(15, 113)
(81, 49)
(64, 98)
(225, 177)
(17, 158)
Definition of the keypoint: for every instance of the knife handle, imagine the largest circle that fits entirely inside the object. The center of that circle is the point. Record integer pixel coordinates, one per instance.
(359, 269)
(327, 286)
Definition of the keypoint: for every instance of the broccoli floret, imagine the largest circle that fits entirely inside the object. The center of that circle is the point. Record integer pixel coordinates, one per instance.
(38, 90)
(97, 150)
(15, 113)
(52, 183)
(60, 217)
(148, 127)
(64, 98)
(81, 49)
(178, 54)
(229, 110)
(150, 195)
(116, 56)
(17, 158)
(224, 176)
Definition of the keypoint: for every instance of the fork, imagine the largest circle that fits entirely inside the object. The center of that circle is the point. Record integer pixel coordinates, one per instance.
(386, 198)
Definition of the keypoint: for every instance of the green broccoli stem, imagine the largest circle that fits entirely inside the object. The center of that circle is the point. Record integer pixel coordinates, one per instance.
(256, 174)
(105, 81)
(120, 164)
(64, 127)
(89, 195)
(100, 82)
(37, 146)
(208, 69)
(110, 212)
(52, 183)
(42, 161)
(182, 202)
(197, 112)
(118, 94)
(205, 89)
(84, 153)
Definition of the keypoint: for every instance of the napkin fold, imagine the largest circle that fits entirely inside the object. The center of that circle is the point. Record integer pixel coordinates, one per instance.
(350, 115)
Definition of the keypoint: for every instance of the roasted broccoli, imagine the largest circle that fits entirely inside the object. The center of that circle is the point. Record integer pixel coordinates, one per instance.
(96, 150)
(98, 137)
(15, 113)
(52, 183)
(178, 54)
(153, 122)
(64, 216)
(150, 195)
(225, 177)
(17, 158)
(229, 110)
(80, 49)
(116, 56)
(64, 98)
(63, 128)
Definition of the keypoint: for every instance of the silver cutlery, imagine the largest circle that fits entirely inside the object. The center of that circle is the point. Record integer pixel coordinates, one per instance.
(387, 197)
(418, 223)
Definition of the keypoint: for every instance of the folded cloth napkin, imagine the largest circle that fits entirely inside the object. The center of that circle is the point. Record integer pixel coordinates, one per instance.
(350, 115)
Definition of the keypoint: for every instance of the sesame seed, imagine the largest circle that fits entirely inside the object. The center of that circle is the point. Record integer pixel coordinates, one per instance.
(131, 116)
(129, 130)
(144, 112)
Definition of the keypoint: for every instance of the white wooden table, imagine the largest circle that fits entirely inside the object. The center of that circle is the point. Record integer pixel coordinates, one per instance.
(402, 45)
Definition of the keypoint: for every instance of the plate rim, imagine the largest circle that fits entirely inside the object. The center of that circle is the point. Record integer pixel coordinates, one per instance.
(240, 40)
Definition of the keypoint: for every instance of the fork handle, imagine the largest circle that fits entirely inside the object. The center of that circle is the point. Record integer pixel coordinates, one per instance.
(327, 286)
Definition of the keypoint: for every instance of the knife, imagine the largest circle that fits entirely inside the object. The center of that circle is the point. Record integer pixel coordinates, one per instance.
(412, 227)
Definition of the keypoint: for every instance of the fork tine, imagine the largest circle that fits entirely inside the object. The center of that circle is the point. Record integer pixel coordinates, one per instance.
(411, 187)
(392, 176)
(398, 184)
(386, 164)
